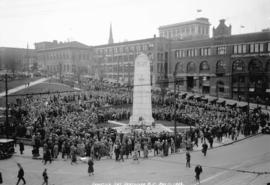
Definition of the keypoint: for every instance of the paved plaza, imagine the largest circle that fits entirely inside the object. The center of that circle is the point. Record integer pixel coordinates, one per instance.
(252, 154)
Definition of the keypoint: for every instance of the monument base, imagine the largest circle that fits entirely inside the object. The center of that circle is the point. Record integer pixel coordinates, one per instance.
(147, 122)
(127, 128)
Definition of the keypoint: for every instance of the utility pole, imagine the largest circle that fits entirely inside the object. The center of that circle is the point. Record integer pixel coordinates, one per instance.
(174, 107)
(7, 124)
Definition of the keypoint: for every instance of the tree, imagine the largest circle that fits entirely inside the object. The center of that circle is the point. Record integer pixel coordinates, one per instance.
(12, 63)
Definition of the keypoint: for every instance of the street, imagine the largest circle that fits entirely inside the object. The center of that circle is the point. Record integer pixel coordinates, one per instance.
(219, 167)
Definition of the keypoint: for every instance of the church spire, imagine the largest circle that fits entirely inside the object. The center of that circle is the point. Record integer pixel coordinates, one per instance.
(111, 35)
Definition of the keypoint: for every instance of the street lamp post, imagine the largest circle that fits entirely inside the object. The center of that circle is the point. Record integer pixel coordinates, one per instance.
(7, 121)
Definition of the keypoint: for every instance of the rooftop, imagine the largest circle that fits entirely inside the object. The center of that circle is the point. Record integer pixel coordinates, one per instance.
(200, 20)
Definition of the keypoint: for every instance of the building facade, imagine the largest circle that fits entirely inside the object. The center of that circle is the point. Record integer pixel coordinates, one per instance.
(228, 66)
(225, 65)
(115, 62)
(65, 58)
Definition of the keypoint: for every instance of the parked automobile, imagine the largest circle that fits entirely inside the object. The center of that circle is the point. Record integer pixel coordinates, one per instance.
(6, 148)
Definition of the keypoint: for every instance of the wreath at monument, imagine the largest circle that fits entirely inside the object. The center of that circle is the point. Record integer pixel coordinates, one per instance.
(141, 126)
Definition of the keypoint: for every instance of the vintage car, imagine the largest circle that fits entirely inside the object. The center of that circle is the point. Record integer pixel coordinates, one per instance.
(6, 148)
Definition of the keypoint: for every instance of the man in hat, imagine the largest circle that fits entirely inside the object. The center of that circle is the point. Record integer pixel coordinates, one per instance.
(45, 177)
(198, 170)
(20, 174)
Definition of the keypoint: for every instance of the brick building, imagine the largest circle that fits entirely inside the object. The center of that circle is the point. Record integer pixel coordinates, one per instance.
(65, 58)
(115, 61)
(229, 66)
(225, 65)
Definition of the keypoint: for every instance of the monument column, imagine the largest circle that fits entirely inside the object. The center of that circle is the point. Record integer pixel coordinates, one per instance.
(142, 102)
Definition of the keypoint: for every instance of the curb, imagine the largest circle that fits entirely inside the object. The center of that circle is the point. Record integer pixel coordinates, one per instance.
(226, 144)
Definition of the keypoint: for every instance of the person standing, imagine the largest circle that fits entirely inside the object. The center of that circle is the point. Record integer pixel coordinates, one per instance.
(45, 177)
(122, 151)
(204, 148)
(198, 170)
(1, 179)
(145, 150)
(73, 151)
(188, 159)
(137, 148)
(47, 157)
(21, 147)
(117, 151)
(90, 166)
(55, 151)
(20, 174)
(165, 148)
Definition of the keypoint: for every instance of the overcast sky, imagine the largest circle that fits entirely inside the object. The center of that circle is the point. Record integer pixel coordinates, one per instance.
(88, 21)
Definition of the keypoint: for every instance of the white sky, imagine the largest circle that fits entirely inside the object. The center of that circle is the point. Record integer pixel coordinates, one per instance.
(88, 21)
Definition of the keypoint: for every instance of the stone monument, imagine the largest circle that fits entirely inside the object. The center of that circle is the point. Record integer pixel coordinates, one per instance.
(142, 102)
(141, 117)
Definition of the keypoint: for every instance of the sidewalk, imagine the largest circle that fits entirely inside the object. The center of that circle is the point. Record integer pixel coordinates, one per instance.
(21, 87)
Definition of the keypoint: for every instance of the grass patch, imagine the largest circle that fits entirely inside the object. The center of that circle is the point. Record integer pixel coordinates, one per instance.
(36, 89)
(15, 83)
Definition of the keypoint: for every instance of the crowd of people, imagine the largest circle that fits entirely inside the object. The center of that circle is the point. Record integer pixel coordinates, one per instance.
(69, 123)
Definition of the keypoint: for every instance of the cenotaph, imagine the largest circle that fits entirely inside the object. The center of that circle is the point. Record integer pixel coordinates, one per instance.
(142, 102)
(141, 117)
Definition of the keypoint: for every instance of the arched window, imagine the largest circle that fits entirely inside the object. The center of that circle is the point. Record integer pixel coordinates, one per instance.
(238, 66)
(220, 66)
(191, 67)
(255, 66)
(204, 66)
(179, 68)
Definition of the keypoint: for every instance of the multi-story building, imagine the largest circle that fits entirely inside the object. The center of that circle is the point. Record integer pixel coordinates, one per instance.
(225, 65)
(116, 61)
(230, 66)
(195, 29)
(64, 58)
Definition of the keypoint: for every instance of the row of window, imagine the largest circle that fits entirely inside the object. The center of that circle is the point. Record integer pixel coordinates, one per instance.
(124, 49)
(119, 58)
(120, 68)
(184, 30)
(64, 55)
(192, 52)
(222, 50)
(251, 48)
(62, 68)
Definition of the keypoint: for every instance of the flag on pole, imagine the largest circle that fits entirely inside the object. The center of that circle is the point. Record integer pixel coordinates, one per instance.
(199, 10)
